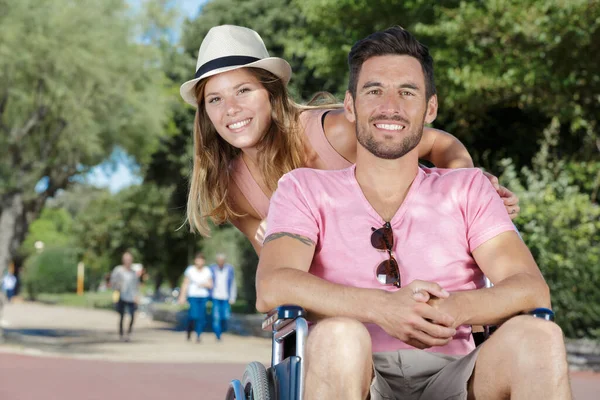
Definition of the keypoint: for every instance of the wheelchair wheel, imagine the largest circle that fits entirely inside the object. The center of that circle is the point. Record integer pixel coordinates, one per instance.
(255, 382)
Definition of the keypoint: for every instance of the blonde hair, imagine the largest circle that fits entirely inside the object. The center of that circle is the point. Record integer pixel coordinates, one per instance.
(280, 151)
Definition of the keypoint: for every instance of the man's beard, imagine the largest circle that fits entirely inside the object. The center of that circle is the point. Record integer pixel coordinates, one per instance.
(383, 150)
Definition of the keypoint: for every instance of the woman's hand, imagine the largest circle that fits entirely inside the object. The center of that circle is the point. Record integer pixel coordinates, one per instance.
(511, 201)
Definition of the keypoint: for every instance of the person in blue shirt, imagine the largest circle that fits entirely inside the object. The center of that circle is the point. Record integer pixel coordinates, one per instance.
(224, 293)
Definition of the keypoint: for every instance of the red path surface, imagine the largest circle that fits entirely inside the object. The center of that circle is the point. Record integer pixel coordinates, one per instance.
(26, 377)
(45, 378)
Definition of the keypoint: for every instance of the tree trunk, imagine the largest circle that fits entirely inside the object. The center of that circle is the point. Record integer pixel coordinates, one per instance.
(11, 211)
(11, 215)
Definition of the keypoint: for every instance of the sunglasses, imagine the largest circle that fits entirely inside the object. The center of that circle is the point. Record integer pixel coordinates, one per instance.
(387, 272)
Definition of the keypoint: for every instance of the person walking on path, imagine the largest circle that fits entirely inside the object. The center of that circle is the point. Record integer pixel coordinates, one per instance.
(197, 282)
(9, 283)
(126, 281)
(224, 294)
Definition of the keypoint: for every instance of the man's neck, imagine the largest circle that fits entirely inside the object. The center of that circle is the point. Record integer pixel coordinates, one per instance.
(385, 183)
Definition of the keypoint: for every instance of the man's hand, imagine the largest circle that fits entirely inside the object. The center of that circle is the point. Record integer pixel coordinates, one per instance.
(407, 316)
(511, 201)
(448, 305)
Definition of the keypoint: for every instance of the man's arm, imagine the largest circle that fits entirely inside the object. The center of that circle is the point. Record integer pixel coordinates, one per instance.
(114, 279)
(282, 278)
(518, 284)
(233, 287)
(443, 150)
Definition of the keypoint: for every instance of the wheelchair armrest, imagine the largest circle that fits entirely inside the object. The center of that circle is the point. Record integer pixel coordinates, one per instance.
(544, 313)
(281, 316)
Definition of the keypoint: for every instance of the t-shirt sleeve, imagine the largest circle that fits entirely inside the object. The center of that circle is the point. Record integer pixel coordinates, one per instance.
(188, 273)
(290, 210)
(485, 212)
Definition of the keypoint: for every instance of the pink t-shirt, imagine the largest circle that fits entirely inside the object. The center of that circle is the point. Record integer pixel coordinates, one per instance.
(445, 216)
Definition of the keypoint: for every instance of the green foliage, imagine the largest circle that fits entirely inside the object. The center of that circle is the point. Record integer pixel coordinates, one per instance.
(136, 218)
(505, 68)
(54, 270)
(248, 266)
(54, 228)
(561, 226)
(73, 84)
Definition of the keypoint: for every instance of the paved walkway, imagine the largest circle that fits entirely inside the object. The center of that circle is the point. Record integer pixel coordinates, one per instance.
(74, 354)
(92, 334)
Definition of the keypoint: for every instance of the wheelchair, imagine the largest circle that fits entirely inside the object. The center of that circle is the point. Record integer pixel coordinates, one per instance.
(284, 380)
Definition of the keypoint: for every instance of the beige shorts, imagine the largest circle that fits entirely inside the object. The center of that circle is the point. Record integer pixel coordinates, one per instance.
(421, 375)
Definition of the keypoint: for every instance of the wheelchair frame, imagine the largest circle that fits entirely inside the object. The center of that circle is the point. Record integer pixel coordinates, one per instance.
(286, 374)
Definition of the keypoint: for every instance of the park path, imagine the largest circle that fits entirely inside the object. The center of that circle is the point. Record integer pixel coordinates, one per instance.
(68, 353)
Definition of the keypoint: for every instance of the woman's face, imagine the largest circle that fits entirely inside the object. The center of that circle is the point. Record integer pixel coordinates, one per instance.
(238, 106)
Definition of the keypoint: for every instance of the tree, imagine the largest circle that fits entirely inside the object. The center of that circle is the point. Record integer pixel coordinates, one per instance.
(136, 218)
(561, 226)
(504, 68)
(74, 83)
(507, 68)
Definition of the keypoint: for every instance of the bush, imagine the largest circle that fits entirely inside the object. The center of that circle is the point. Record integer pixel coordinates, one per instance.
(561, 225)
(54, 270)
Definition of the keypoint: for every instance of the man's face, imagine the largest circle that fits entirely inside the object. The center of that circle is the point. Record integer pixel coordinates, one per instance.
(220, 260)
(127, 260)
(390, 107)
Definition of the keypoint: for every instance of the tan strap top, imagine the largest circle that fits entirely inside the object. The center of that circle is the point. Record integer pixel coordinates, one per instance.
(311, 121)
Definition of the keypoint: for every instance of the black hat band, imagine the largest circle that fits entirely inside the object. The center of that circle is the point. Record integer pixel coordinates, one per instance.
(222, 62)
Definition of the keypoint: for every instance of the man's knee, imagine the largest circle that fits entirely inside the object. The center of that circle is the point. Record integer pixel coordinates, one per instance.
(533, 338)
(339, 337)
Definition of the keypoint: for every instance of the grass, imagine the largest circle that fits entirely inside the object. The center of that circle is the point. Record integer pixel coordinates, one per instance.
(104, 300)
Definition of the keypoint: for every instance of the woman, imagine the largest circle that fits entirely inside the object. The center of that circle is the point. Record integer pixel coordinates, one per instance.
(248, 133)
(196, 284)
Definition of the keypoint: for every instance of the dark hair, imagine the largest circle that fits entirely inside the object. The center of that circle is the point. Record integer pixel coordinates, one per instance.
(199, 255)
(392, 41)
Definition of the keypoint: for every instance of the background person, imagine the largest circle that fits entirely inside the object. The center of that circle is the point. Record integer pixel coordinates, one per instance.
(9, 283)
(125, 281)
(197, 282)
(224, 294)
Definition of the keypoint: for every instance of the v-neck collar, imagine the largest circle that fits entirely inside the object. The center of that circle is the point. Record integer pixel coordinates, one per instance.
(403, 207)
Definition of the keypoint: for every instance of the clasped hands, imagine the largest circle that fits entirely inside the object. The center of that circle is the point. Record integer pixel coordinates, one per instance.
(421, 314)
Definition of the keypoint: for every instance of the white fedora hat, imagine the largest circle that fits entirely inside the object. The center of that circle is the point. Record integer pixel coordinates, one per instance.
(229, 47)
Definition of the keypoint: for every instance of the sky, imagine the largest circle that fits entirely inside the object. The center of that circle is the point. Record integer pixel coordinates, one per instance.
(122, 176)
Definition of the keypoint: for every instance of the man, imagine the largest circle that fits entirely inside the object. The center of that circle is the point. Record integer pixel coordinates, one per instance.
(395, 323)
(224, 293)
(125, 280)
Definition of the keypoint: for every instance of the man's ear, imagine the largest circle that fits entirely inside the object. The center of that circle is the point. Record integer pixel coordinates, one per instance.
(432, 107)
(349, 107)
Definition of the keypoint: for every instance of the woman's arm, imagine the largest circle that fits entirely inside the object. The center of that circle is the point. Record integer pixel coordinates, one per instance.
(443, 150)
(183, 293)
(446, 151)
(208, 283)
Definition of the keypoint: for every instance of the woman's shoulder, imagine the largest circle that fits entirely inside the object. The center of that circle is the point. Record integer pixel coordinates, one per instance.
(311, 115)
